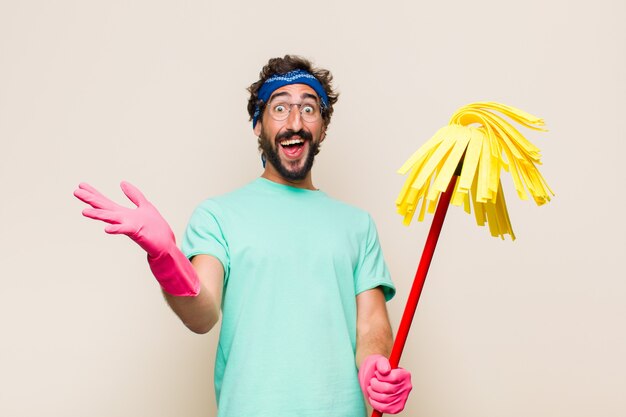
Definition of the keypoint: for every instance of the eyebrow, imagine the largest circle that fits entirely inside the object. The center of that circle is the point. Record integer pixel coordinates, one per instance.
(285, 93)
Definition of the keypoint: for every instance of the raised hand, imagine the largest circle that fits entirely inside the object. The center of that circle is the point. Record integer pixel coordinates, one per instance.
(145, 225)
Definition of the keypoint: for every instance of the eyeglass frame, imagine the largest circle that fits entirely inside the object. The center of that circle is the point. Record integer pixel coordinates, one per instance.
(263, 105)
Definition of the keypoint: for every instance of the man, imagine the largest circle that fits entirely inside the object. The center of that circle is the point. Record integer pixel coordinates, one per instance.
(299, 277)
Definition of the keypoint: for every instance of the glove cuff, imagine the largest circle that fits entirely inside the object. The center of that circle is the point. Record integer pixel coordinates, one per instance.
(175, 273)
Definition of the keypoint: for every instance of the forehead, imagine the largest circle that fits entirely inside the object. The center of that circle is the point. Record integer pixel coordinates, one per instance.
(301, 91)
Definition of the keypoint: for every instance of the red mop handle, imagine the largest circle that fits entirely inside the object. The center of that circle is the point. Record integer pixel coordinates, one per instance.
(420, 277)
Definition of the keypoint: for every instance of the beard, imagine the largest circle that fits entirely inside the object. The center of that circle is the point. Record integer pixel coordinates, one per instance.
(290, 170)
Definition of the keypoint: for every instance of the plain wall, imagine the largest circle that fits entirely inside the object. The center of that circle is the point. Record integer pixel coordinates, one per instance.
(154, 92)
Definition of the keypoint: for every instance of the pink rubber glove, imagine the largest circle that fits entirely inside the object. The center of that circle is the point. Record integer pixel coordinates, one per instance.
(385, 389)
(148, 228)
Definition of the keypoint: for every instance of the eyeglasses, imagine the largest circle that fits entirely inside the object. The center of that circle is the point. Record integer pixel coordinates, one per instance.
(280, 110)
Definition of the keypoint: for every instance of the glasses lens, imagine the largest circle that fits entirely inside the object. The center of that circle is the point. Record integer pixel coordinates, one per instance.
(310, 112)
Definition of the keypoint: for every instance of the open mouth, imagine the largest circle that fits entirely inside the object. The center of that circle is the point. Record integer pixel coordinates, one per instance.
(292, 147)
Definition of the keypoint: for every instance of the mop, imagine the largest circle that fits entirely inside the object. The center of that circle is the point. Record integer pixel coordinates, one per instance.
(461, 165)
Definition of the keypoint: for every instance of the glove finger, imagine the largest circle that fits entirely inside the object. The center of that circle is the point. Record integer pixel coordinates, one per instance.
(119, 229)
(106, 216)
(394, 376)
(87, 197)
(383, 366)
(88, 187)
(382, 387)
(382, 397)
(87, 194)
(133, 193)
(389, 408)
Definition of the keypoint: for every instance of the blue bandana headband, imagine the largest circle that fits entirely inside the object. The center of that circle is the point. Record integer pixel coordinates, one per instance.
(280, 80)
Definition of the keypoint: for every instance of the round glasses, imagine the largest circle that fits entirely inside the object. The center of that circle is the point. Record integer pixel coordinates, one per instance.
(280, 110)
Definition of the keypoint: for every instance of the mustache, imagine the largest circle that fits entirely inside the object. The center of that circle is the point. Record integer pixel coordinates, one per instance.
(288, 134)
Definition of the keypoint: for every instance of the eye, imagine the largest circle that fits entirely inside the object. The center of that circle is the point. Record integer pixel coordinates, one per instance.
(308, 109)
(280, 108)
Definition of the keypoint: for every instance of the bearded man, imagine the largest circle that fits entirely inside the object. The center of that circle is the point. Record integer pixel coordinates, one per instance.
(298, 276)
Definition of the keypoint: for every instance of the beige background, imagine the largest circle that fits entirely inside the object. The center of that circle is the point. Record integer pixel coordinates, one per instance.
(154, 92)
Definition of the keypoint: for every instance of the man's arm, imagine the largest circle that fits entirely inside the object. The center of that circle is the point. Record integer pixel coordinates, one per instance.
(193, 290)
(373, 330)
(384, 388)
(200, 313)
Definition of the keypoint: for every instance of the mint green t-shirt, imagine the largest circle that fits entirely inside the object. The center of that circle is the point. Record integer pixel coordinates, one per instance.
(294, 261)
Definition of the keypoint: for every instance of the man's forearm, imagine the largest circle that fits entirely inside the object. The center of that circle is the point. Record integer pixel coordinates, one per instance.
(199, 313)
(373, 330)
(376, 338)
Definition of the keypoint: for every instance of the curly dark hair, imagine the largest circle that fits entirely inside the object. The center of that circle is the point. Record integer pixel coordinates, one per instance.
(284, 65)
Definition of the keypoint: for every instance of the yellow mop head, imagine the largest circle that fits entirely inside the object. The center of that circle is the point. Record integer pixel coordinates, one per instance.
(485, 143)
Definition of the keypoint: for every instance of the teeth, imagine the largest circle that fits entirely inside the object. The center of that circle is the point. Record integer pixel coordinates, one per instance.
(291, 142)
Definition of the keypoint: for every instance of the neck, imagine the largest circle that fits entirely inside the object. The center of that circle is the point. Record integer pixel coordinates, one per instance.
(271, 174)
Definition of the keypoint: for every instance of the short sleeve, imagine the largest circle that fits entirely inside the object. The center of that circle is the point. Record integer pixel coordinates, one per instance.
(372, 271)
(205, 235)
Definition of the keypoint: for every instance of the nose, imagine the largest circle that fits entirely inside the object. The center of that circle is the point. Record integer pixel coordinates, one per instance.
(294, 120)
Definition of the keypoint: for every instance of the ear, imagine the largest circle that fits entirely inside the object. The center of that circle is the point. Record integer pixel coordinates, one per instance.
(257, 129)
(323, 135)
